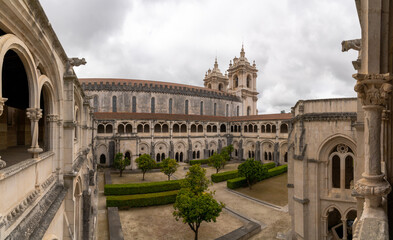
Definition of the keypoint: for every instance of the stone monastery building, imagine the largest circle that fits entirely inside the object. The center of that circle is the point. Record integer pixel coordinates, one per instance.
(55, 129)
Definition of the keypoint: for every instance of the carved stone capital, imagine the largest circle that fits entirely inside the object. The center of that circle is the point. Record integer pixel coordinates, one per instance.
(52, 118)
(385, 115)
(2, 101)
(373, 89)
(34, 114)
(372, 187)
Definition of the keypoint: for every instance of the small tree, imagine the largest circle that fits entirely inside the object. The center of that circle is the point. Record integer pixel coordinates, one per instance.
(217, 161)
(252, 170)
(194, 205)
(226, 153)
(121, 163)
(196, 208)
(169, 167)
(145, 163)
(196, 179)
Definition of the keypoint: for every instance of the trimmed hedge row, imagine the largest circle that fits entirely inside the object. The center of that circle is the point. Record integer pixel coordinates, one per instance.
(270, 165)
(200, 161)
(141, 188)
(223, 176)
(237, 183)
(242, 182)
(141, 200)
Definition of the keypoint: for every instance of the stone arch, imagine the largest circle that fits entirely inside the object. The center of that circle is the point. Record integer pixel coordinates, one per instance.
(11, 42)
(102, 149)
(284, 128)
(78, 187)
(144, 148)
(50, 237)
(47, 105)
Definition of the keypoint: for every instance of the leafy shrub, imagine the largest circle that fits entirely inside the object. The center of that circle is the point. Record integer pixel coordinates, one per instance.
(141, 188)
(141, 200)
(237, 183)
(277, 170)
(200, 161)
(270, 165)
(220, 177)
(158, 165)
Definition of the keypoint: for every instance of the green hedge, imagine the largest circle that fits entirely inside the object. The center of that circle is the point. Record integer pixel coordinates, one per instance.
(220, 177)
(237, 183)
(158, 165)
(270, 165)
(200, 161)
(241, 181)
(141, 200)
(141, 188)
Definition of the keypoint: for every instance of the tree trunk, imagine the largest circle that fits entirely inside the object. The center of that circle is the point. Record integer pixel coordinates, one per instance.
(169, 177)
(121, 172)
(216, 170)
(143, 176)
(196, 235)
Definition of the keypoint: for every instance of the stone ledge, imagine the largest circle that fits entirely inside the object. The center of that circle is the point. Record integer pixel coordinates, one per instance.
(115, 230)
(290, 185)
(301, 201)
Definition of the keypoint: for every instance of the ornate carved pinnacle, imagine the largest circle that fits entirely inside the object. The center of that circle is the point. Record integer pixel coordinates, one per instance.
(34, 114)
(2, 101)
(373, 89)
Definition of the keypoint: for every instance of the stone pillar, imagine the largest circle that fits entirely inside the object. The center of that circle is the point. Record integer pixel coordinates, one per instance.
(345, 234)
(34, 114)
(324, 228)
(374, 91)
(3, 164)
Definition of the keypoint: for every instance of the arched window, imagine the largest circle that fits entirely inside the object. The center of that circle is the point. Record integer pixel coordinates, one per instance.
(250, 129)
(102, 159)
(248, 111)
(100, 128)
(176, 127)
(193, 155)
(237, 111)
(223, 128)
(114, 104)
(268, 128)
(215, 109)
(342, 156)
(95, 103)
(200, 128)
(201, 112)
(235, 152)
(231, 128)
(209, 128)
(153, 105)
(133, 104)
(162, 156)
(249, 81)
(183, 128)
(235, 81)
(181, 156)
(139, 129)
(255, 128)
(177, 157)
(165, 128)
(193, 128)
(284, 128)
(108, 128)
(128, 128)
(265, 155)
(158, 157)
(220, 87)
(170, 106)
(157, 128)
(214, 129)
(263, 128)
(186, 107)
(238, 129)
(146, 128)
(245, 128)
(273, 128)
(286, 157)
(270, 156)
(120, 128)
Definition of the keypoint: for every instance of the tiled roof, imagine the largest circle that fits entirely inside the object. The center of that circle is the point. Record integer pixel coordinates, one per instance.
(184, 117)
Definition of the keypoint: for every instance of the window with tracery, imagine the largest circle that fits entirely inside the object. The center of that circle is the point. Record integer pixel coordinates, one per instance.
(341, 158)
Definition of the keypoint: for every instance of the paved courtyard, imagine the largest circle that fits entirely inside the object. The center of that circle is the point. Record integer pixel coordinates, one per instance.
(157, 222)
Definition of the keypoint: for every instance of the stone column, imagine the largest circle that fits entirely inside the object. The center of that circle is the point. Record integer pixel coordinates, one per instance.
(3, 164)
(34, 114)
(374, 91)
(324, 228)
(344, 221)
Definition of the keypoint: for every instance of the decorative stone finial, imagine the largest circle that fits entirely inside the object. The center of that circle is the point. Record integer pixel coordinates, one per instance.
(215, 64)
(242, 53)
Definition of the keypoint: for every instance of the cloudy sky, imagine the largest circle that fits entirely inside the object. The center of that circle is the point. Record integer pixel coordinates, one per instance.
(296, 44)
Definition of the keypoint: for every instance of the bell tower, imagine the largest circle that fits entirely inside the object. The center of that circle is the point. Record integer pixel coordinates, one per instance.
(214, 79)
(243, 83)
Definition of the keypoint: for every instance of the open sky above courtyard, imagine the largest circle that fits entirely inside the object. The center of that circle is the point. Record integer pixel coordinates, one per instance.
(296, 44)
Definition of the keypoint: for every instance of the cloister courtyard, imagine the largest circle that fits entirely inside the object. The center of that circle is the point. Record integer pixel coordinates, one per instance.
(265, 204)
